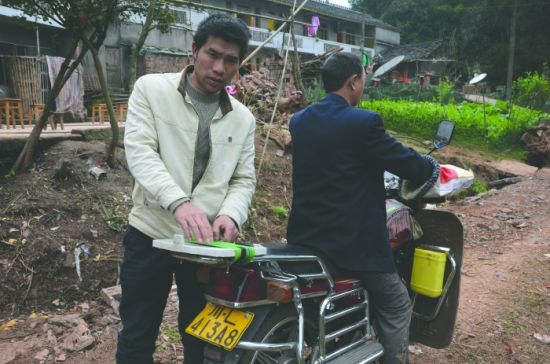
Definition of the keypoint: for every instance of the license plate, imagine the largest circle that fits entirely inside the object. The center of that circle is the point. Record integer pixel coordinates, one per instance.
(219, 325)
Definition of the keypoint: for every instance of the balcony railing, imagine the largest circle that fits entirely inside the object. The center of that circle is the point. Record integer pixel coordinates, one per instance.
(310, 45)
(259, 35)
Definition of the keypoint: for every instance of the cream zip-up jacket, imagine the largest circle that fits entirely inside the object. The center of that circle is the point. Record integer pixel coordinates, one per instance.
(160, 135)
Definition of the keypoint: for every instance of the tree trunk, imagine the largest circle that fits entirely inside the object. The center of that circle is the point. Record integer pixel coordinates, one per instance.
(134, 54)
(511, 52)
(112, 145)
(24, 160)
(147, 27)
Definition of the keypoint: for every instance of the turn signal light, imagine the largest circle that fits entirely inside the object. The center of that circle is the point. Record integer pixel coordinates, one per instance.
(279, 292)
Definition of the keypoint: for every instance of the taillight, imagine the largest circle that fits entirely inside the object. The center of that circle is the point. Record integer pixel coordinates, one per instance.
(279, 292)
(236, 284)
(341, 285)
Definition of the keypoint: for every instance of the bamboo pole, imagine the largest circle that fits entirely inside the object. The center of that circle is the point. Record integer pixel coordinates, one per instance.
(294, 13)
(279, 89)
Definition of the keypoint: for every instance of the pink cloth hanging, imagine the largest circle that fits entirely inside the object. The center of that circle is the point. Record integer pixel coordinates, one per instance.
(312, 29)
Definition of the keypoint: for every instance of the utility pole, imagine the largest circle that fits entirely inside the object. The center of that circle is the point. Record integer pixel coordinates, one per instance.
(511, 52)
(362, 34)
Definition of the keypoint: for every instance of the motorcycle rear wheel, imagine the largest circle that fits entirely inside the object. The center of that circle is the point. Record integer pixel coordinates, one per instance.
(280, 326)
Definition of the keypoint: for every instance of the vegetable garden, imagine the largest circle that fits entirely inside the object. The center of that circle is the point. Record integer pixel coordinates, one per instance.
(505, 122)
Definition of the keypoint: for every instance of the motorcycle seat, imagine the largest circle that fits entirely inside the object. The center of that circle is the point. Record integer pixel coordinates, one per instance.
(289, 250)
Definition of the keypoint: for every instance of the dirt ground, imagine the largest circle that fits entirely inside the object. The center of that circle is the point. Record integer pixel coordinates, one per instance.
(60, 212)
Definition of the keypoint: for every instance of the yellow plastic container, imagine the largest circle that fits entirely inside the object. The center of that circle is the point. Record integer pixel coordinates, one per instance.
(428, 272)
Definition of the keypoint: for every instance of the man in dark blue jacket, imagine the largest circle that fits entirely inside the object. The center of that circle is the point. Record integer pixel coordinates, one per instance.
(340, 153)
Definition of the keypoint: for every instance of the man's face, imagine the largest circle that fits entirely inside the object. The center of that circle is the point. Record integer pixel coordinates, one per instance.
(216, 63)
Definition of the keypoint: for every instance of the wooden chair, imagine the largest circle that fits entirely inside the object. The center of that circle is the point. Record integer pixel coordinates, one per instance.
(12, 110)
(35, 111)
(99, 111)
(56, 118)
(3, 116)
(121, 110)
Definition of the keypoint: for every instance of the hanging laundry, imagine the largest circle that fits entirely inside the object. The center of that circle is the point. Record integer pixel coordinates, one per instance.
(312, 29)
(366, 60)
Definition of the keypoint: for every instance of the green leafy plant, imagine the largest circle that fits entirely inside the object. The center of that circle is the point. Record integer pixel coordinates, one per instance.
(172, 334)
(479, 187)
(280, 212)
(532, 90)
(446, 89)
(505, 122)
(115, 213)
(315, 91)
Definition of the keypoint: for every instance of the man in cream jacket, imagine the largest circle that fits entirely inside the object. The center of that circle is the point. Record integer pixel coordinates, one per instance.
(190, 148)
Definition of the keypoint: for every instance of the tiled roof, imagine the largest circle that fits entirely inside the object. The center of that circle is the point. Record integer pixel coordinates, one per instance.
(413, 51)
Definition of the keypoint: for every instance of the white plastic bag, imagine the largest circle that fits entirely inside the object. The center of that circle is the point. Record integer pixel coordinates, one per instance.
(452, 179)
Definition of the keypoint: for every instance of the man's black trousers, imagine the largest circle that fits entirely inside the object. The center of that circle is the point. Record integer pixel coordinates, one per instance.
(146, 277)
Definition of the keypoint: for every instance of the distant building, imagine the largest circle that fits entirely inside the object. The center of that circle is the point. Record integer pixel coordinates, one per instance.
(319, 27)
(23, 40)
(425, 61)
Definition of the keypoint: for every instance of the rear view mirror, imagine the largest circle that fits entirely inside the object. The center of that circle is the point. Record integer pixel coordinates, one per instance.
(444, 134)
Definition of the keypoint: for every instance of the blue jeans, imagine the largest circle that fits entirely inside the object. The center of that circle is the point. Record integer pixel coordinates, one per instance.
(392, 312)
(146, 278)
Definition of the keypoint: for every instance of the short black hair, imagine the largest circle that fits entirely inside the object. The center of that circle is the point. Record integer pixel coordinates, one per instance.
(226, 27)
(338, 68)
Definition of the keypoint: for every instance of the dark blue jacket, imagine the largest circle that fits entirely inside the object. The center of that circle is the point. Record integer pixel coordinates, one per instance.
(339, 157)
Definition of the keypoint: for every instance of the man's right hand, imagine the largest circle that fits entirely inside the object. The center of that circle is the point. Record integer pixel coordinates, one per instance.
(194, 222)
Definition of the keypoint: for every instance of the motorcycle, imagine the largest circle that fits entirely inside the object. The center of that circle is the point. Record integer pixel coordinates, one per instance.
(282, 303)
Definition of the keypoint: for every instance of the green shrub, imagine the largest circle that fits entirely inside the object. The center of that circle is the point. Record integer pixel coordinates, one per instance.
(315, 91)
(533, 90)
(446, 90)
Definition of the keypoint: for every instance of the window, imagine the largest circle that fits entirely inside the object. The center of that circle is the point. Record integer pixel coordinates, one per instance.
(180, 17)
(248, 19)
(350, 38)
(322, 33)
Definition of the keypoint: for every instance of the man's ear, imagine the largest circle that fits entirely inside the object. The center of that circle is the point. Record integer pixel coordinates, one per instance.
(195, 50)
(352, 82)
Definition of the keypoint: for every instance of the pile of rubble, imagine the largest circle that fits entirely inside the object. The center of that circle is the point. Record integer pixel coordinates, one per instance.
(537, 142)
(258, 91)
(311, 69)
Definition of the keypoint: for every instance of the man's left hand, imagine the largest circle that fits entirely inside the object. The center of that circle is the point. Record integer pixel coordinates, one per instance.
(224, 228)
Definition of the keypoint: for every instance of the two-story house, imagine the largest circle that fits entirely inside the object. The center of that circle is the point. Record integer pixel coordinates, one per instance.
(318, 28)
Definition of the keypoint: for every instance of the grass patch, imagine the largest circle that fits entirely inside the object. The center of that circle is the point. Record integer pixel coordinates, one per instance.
(533, 301)
(511, 324)
(476, 356)
(172, 334)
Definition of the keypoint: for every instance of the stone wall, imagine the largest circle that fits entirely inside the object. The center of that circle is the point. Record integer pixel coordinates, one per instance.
(164, 63)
